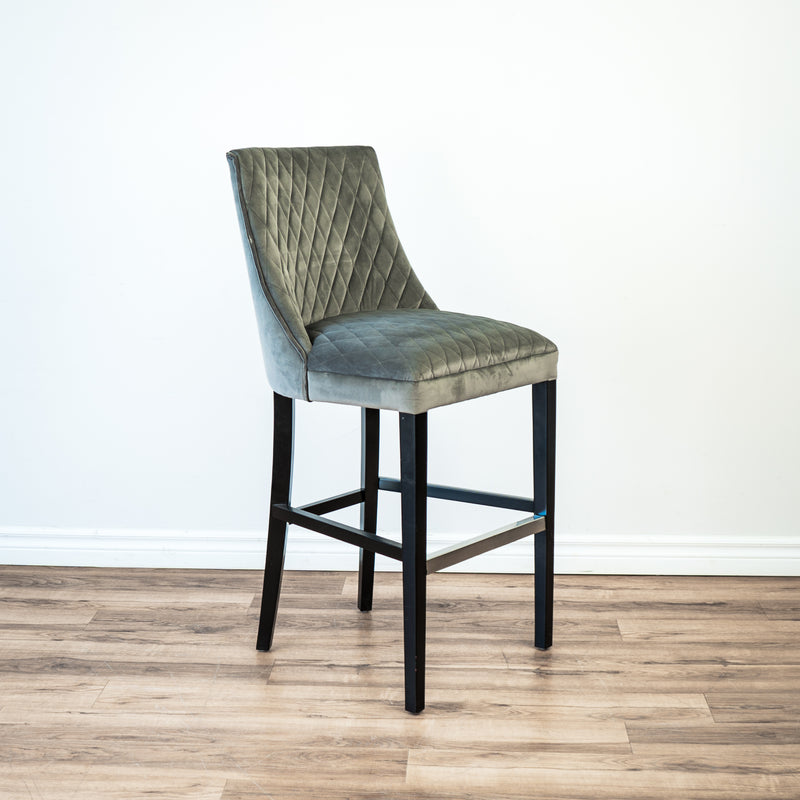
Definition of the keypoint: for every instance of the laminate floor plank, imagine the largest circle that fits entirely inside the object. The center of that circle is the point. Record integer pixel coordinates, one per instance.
(468, 625)
(579, 781)
(784, 632)
(613, 677)
(753, 757)
(782, 609)
(761, 707)
(41, 611)
(601, 589)
(145, 683)
(51, 692)
(109, 782)
(787, 733)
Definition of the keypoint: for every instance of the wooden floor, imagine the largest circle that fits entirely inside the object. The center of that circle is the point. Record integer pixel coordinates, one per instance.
(143, 683)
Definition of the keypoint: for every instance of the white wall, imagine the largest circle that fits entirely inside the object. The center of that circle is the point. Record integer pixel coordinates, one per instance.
(623, 176)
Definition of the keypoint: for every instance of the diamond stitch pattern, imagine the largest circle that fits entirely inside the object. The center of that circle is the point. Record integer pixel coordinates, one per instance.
(319, 218)
(418, 346)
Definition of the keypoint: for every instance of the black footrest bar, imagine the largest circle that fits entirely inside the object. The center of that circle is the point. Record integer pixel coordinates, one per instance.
(466, 495)
(344, 533)
(485, 542)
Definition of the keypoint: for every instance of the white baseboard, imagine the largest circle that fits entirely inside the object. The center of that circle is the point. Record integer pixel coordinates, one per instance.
(679, 554)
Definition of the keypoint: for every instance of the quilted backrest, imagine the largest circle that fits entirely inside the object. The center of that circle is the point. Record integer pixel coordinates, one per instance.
(321, 241)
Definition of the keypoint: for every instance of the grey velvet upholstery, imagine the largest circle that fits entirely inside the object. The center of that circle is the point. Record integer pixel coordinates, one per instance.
(342, 316)
(414, 361)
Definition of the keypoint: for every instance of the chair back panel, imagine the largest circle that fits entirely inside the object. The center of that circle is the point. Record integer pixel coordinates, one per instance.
(320, 236)
(323, 231)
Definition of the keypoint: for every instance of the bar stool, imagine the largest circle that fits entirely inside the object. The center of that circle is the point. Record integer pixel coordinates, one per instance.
(343, 319)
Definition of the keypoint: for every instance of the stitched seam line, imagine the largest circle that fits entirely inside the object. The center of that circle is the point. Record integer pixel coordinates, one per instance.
(259, 270)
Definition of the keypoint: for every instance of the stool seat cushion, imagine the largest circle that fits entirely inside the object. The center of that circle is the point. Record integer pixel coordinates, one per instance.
(412, 360)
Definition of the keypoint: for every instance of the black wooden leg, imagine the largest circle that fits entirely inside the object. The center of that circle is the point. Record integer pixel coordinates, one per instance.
(544, 484)
(370, 440)
(414, 490)
(282, 445)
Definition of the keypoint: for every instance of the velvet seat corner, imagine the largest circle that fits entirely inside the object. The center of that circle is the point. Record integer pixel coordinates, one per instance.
(343, 318)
